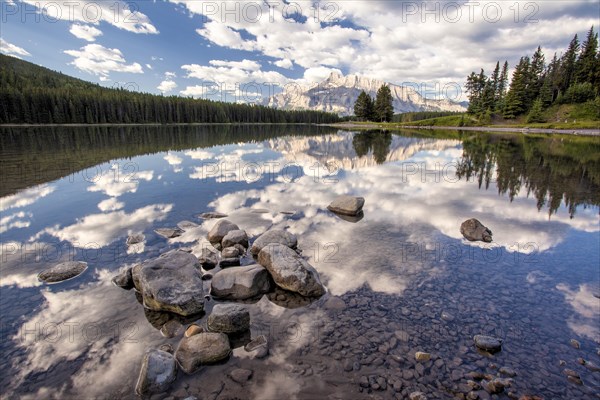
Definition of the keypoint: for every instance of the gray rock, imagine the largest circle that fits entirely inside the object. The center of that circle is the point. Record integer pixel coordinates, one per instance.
(488, 343)
(230, 252)
(171, 328)
(212, 215)
(417, 396)
(274, 236)
(135, 239)
(347, 205)
(209, 257)
(235, 237)
(335, 304)
(62, 271)
(259, 347)
(229, 318)
(507, 371)
(220, 229)
(171, 282)
(240, 375)
(239, 283)
(169, 233)
(202, 349)
(229, 262)
(158, 371)
(124, 280)
(186, 225)
(166, 347)
(473, 230)
(575, 344)
(290, 271)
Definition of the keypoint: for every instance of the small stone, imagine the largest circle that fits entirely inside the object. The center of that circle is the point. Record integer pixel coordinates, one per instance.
(259, 347)
(417, 396)
(186, 225)
(240, 375)
(580, 361)
(575, 380)
(402, 336)
(171, 329)
(124, 280)
(166, 347)
(348, 365)
(570, 372)
(591, 366)
(209, 257)
(212, 215)
(364, 381)
(62, 271)
(229, 318)
(220, 229)
(193, 330)
(135, 239)
(473, 230)
(158, 371)
(235, 237)
(575, 344)
(347, 205)
(422, 356)
(488, 343)
(335, 304)
(446, 316)
(169, 233)
(201, 349)
(230, 252)
(507, 371)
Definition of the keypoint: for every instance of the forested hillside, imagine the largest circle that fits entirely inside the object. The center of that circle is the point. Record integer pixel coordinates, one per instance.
(36, 95)
(536, 85)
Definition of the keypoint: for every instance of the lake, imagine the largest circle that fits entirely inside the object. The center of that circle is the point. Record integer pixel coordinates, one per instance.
(401, 279)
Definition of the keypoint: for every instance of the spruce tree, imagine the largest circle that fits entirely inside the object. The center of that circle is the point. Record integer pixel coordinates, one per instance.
(536, 113)
(384, 107)
(569, 65)
(502, 87)
(516, 99)
(363, 107)
(587, 64)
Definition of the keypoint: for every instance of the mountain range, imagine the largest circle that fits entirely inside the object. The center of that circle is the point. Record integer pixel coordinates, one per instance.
(338, 93)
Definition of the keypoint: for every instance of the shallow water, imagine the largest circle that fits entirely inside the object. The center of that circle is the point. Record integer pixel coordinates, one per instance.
(407, 279)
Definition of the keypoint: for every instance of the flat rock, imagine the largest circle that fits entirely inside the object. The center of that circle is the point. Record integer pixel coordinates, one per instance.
(220, 229)
(209, 257)
(290, 271)
(171, 282)
(258, 347)
(158, 371)
(239, 283)
(473, 230)
(186, 225)
(202, 349)
(488, 343)
(274, 236)
(193, 330)
(169, 233)
(212, 215)
(347, 205)
(422, 356)
(240, 375)
(229, 318)
(62, 272)
(135, 239)
(234, 237)
(124, 280)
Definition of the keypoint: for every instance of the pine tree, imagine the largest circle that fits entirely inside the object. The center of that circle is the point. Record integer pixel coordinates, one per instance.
(587, 64)
(502, 87)
(536, 74)
(569, 65)
(384, 107)
(516, 99)
(363, 107)
(475, 87)
(536, 112)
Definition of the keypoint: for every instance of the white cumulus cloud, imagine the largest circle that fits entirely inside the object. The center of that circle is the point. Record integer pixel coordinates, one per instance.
(85, 32)
(12, 49)
(101, 61)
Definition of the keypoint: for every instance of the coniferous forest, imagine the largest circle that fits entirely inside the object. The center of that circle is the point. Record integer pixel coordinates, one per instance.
(30, 94)
(573, 77)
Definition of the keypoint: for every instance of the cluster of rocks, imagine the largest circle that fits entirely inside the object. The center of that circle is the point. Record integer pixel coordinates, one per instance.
(174, 283)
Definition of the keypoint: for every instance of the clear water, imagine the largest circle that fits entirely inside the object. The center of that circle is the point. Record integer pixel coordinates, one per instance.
(77, 193)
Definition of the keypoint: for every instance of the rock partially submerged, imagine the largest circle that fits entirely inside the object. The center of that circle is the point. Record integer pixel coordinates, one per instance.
(171, 282)
(135, 239)
(202, 349)
(220, 230)
(62, 272)
(259, 347)
(239, 283)
(124, 280)
(473, 230)
(488, 343)
(274, 236)
(229, 318)
(158, 371)
(169, 233)
(290, 271)
(209, 257)
(186, 225)
(212, 215)
(347, 205)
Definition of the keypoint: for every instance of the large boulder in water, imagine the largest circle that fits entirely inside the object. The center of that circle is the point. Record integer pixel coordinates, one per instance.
(347, 205)
(473, 230)
(274, 236)
(202, 349)
(62, 271)
(239, 283)
(171, 282)
(159, 370)
(290, 271)
(220, 230)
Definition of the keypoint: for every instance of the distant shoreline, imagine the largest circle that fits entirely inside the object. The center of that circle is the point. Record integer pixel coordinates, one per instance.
(576, 132)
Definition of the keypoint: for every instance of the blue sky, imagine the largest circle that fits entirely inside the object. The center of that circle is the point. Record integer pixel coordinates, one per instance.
(191, 47)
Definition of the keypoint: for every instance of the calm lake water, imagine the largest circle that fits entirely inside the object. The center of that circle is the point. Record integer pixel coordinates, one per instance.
(406, 279)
